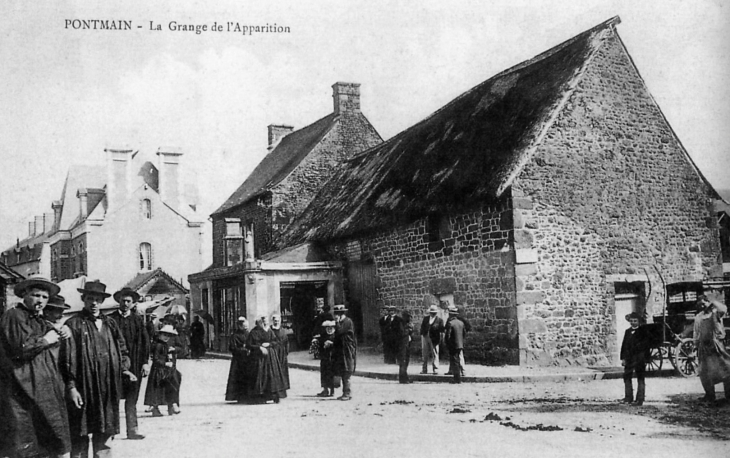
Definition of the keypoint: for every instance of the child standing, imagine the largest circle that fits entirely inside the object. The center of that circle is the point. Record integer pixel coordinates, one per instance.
(634, 355)
(326, 360)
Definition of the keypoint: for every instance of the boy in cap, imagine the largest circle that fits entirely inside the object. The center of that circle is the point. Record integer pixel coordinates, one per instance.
(634, 355)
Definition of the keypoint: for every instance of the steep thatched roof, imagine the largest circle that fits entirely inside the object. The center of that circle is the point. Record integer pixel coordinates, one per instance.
(471, 149)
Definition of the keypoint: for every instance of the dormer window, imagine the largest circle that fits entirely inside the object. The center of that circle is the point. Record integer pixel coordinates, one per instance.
(146, 209)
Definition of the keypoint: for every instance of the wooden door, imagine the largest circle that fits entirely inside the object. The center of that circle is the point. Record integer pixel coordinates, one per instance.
(363, 295)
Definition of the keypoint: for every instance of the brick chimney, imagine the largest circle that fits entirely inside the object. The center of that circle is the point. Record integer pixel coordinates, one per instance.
(57, 208)
(346, 97)
(276, 133)
(83, 196)
(48, 222)
(119, 176)
(169, 175)
(38, 225)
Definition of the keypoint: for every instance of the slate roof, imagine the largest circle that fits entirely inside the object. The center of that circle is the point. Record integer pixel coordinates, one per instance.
(8, 274)
(471, 149)
(279, 163)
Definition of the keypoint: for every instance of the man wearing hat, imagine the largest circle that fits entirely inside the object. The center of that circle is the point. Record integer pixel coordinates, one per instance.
(344, 350)
(634, 355)
(391, 331)
(432, 328)
(33, 419)
(455, 341)
(93, 361)
(137, 340)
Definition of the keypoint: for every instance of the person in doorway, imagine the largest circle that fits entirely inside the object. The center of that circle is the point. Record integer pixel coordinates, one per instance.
(197, 338)
(432, 329)
(714, 360)
(94, 360)
(634, 355)
(138, 345)
(163, 387)
(455, 335)
(404, 350)
(344, 350)
(33, 417)
(236, 389)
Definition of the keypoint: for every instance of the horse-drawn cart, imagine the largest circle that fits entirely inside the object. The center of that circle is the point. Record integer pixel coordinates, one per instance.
(671, 332)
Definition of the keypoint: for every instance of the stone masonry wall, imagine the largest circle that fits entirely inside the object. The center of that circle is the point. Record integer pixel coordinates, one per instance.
(473, 262)
(351, 134)
(608, 196)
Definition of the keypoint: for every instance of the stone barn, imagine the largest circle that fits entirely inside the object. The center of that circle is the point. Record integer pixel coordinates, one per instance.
(546, 203)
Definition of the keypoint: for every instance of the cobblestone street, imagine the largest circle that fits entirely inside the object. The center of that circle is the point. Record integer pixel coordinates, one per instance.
(434, 420)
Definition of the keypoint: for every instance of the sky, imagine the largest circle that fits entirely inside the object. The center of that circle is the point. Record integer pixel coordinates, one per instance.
(69, 93)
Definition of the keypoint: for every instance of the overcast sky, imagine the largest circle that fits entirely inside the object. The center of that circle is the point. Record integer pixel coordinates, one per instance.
(67, 94)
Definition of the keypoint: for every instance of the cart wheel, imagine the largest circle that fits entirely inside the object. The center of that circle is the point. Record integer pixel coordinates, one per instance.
(656, 358)
(685, 358)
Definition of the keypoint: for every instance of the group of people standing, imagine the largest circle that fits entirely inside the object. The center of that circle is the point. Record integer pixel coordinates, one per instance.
(396, 332)
(61, 382)
(259, 371)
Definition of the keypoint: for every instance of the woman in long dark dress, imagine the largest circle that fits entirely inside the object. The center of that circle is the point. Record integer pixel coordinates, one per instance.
(265, 383)
(163, 385)
(237, 387)
(325, 341)
(280, 353)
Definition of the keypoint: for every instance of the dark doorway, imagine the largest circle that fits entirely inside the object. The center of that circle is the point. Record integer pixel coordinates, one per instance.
(363, 294)
(299, 302)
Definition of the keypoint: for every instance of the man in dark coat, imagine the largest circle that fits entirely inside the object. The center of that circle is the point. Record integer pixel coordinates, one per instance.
(138, 344)
(344, 350)
(33, 418)
(634, 355)
(281, 351)
(197, 338)
(236, 388)
(455, 334)
(391, 329)
(432, 328)
(93, 361)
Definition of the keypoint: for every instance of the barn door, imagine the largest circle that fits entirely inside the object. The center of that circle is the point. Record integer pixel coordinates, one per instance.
(363, 296)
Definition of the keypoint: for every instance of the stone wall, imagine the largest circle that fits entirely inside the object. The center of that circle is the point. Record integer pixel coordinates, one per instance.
(351, 134)
(608, 196)
(472, 261)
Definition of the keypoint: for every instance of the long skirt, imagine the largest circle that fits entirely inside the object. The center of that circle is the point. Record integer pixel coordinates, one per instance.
(163, 386)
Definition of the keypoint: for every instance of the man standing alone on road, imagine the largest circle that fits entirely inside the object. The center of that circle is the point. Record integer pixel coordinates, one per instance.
(432, 328)
(714, 359)
(455, 341)
(344, 350)
(634, 354)
(92, 362)
(33, 419)
(138, 344)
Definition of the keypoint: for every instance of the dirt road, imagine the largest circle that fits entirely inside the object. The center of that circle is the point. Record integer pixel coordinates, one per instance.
(386, 419)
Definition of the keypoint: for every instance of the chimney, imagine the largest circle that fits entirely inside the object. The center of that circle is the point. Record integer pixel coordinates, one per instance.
(276, 133)
(38, 225)
(346, 97)
(83, 196)
(169, 175)
(119, 176)
(48, 222)
(57, 207)
(31, 228)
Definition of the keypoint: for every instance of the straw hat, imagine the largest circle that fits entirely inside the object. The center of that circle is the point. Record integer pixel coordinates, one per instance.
(339, 308)
(168, 329)
(433, 309)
